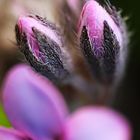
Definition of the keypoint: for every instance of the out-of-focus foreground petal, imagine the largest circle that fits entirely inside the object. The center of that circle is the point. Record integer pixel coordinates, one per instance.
(10, 134)
(96, 123)
(32, 104)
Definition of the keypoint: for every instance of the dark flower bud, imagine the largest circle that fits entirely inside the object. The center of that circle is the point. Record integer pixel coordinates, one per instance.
(42, 45)
(103, 40)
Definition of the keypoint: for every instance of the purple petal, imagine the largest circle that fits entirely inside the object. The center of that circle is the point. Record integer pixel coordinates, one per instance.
(10, 134)
(96, 123)
(93, 16)
(33, 104)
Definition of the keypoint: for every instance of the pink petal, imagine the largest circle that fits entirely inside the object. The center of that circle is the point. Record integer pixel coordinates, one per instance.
(33, 104)
(96, 123)
(10, 134)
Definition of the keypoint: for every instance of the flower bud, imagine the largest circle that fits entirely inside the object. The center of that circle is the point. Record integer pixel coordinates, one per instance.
(33, 105)
(96, 123)
(42, 45)
(10, 134)
(103, 40)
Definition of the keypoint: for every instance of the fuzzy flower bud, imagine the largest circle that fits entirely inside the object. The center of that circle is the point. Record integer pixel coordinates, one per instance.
(42, 45)
(103, 40)
(33, 105)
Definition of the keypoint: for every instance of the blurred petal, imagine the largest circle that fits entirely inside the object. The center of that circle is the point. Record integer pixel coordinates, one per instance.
(96, 123)
(10, 134)
(33, 105)
(76, 5)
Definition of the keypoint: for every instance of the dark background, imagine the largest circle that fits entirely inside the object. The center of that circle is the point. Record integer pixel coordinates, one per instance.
(128, 100)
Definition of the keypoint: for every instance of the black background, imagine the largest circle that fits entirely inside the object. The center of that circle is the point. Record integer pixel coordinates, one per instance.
(128, 101)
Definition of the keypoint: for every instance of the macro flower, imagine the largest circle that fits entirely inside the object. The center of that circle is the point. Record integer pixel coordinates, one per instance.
(34, 103)
(37, 111)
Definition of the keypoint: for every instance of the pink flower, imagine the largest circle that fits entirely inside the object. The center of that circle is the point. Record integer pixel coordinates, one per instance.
(38, 111)
(35, 107)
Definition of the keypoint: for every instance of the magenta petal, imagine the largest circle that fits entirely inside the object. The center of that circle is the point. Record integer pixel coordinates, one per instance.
(33, 105)
(10, 134)
(96, 123)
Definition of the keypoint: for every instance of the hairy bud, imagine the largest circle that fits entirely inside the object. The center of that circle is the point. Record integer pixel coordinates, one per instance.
(42, 45)
(103, 40)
